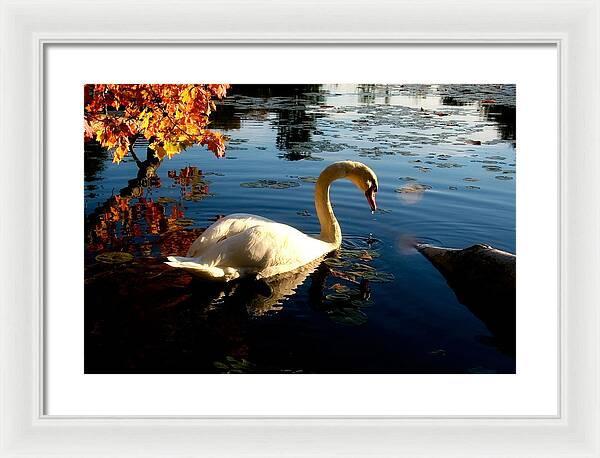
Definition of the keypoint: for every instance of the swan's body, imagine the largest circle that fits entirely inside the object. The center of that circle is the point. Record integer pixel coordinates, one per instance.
(240, 245)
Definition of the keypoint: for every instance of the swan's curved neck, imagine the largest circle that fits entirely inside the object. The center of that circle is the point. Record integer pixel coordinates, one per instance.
(330, 229)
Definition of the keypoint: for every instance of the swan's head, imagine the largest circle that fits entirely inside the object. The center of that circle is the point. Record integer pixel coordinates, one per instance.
(362, 176)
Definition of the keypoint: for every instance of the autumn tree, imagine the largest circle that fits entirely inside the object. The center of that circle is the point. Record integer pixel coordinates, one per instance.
(172, 117)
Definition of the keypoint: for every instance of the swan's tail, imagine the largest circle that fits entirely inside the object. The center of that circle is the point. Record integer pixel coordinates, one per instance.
(202, 270)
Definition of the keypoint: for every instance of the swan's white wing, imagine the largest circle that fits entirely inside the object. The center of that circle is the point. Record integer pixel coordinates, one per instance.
(267, 249)
(224, 228)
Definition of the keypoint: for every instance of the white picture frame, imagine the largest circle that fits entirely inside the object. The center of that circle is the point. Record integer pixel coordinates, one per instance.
(28, 26)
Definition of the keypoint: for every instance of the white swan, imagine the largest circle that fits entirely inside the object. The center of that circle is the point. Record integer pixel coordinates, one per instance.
(241, 245)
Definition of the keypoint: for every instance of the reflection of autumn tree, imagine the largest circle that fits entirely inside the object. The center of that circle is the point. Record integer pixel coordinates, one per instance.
(121, 219)
(130, 216)
(172, 117)
(192, 182)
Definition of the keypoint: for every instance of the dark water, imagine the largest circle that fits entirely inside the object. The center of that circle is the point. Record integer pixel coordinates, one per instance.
(376, 307)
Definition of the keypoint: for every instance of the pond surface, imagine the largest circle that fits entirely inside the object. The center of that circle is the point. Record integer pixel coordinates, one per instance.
(445, 159)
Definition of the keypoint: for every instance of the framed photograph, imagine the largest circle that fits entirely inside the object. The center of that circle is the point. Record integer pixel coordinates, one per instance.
(281, 230)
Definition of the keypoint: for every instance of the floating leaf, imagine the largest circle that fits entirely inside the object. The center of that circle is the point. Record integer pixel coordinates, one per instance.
(339, 288)
(365, 256)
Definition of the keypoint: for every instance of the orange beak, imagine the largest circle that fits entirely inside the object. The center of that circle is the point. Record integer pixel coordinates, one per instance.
(370, 195)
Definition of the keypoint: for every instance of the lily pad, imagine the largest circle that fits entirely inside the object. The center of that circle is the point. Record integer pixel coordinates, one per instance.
(492, 168)
(271, 184)
(184, 222)
(471, 179)
(362, 303)
(504, 177)
(344, 276)
(336, 262)
(232, 365)
(114, 257)
(370, 273)
(335, 297)
(348, 317)
(365, 255)
(413, 188)
(448, 165)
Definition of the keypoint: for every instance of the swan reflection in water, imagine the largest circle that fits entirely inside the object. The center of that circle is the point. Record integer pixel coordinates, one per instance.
(269, 295)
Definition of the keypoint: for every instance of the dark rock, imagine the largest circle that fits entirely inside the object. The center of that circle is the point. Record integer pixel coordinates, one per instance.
(484, 280)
